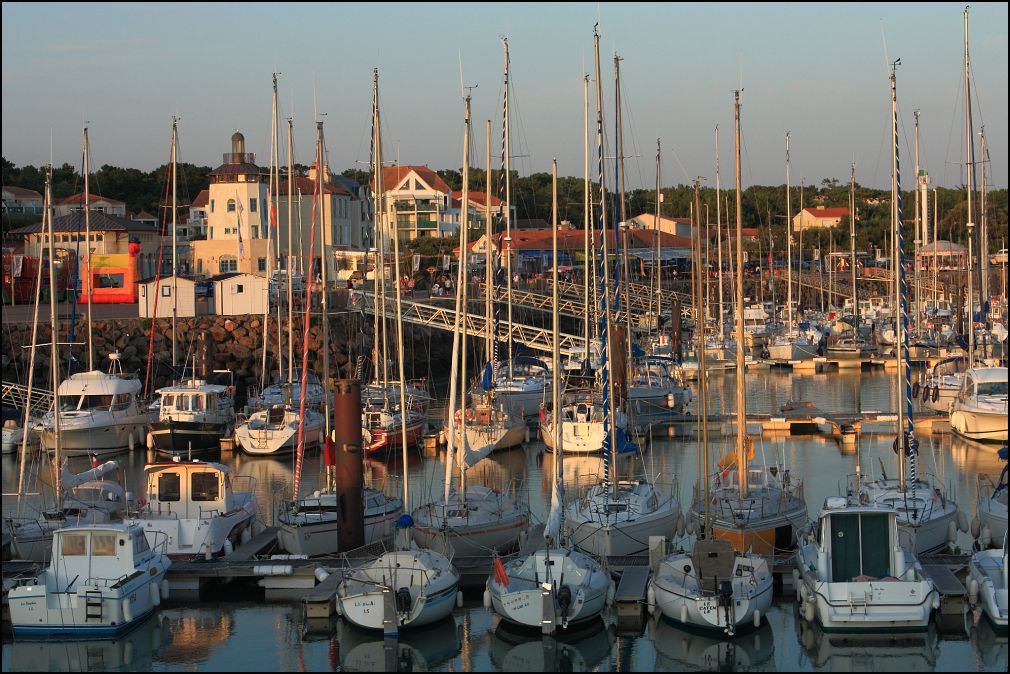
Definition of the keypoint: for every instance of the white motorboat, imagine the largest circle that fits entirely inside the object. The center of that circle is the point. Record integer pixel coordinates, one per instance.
(196, 506)
(617, 520)
(103, 579)
(99, 413)
(275, 431)
(713, 587)
(193, 416)
(980, 408)
(987, 584)
(311, 528)
(858, 576)
(990, 524)
(406, 588)
(790, 347)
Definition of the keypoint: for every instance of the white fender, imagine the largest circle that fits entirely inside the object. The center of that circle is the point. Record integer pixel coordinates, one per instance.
(650, 599)
(973, 591)
(229, 547)
(985, 538)
(951, 532)
(690, 526)
(150, 440)
(611, 593)
(132, 441)
(127, 652)
(322, 574)
(164, 589)
(976, 528)
(669, 400)
(796, 585)
(246, 535)
(459, 599)
(680, 525)
(822, 564)
(962, 521)
(757, 618)
(127, 611)
(155, 594)
(527, 436)
(487, 598)
(808, 611)
(683, 613)
(671, 431)
(338, 606)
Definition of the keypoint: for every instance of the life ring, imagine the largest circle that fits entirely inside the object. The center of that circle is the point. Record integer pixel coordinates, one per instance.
(916, 389)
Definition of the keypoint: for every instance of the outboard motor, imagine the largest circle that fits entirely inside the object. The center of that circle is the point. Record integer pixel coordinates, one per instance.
(403, 600)
(726, 602)
(564, 601)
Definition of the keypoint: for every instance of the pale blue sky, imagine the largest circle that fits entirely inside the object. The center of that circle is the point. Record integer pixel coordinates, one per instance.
(815, 70)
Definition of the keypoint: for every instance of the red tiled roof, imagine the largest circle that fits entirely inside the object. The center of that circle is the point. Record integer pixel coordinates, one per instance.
(477, 198)
(392, 175)
(75, 199)
(143, 215)
(828, 212)
(308, 186)
(202, 200)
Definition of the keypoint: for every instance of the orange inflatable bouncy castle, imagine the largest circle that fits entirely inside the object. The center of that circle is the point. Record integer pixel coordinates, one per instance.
(113, 278)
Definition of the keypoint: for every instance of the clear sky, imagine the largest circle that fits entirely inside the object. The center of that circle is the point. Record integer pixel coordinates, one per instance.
(816, 70)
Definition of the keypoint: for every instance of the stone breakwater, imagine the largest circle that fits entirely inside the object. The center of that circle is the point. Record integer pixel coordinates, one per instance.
(231, 343)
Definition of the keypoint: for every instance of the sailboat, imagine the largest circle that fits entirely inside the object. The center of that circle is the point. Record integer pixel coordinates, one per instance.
(850, 346)
(927, 519)
(475, 519)
(409, 587)
(531, 590)
(792, 344)
(617, 517)
(309, 524)
(715, 587)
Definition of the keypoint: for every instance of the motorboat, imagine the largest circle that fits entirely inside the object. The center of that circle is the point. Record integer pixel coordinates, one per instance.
(990, 524)
(979, 411)
(99, 413)
(199, 506)
(193, 416)
(103, 579)
(987, 584)
(858, 576)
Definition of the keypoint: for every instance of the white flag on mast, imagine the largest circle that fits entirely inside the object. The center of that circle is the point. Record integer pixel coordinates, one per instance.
(238, 205)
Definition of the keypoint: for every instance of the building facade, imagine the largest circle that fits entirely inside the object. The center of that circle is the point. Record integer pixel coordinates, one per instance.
(21, 200)
(819, 218)
(96, 204)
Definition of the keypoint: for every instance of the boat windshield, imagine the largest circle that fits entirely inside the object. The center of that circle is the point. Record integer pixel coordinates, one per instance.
(86, 402)
(992, 388)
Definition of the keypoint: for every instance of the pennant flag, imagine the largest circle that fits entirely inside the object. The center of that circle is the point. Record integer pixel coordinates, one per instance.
(241, 247)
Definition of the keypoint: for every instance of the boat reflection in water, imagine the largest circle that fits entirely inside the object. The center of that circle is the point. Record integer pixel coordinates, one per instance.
(989, 644)
(516, 649)
(679, 649)
(135, 651)
(423, 649)
(842, 652)
(196, 634)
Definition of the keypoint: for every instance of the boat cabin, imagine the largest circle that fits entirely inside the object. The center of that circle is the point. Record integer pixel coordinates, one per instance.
(194, 399)
(97, 391)
(984, 381)
(189, 489)
(859, 541)
(107, 552)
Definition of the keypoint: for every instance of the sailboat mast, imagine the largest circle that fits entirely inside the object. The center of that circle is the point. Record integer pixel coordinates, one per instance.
(490, 336)
(655, 231)
(175, 244)
(918, 235)
(852, 245)
(275, 200)
(507, 161)
(718, 224)
(696, 268)
(622, 229)
(606, 332)
(586, 215)
(983, 232)
(324, 235)
(970, 171)
(901, 319)
(556, 434)
(789, 245)
(87, 236)
(399, 341)
(463, 281)
(741, 401)
(54, 355)
(379, 280)
(291, 318)
(270, 264)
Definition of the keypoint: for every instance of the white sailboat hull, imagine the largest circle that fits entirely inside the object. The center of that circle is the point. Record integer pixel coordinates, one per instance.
(792, 351)
(602, 538)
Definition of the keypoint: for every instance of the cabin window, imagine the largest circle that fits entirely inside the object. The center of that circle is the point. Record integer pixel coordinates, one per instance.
(168, 401)
(103, 545)
(204, 487)
(121, 402)
(140, 544)
(992, 388)
(74, 545)
(169, 487)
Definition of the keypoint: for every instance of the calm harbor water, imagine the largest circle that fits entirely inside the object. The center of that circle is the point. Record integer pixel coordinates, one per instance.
(235, 630)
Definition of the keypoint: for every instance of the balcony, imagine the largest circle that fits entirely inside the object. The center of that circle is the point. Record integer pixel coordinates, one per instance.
(426, 206)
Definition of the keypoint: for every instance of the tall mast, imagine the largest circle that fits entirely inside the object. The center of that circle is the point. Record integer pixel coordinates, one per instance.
(291, 204)
(621, 229)
(270, 207)
(399, 341)
(852, 245)
(379, 284)
(609, 440)
(507, 162)
(983, 247)
(741, 401)
(789, 245)
(970, 171)
(718, 217)
(87, 236)
(275, 199)
(54, 356)
(586, 215)
(655, 232)
(555, 346)
(324, 235)
(696, 268)
(905, 427)
(175, 245)
(463, 281)
(918, 235)
(489, 338)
